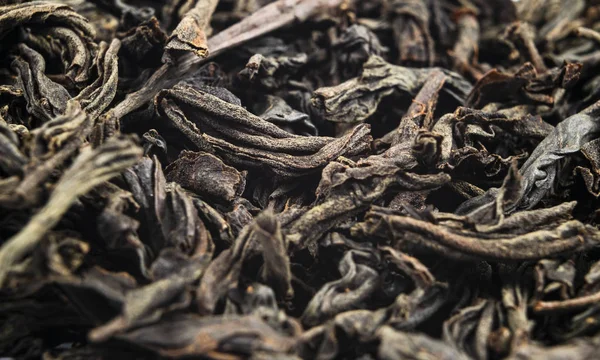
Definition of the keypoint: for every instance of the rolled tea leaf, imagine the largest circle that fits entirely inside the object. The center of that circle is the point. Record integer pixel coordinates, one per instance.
(190, 35)
(91, 168)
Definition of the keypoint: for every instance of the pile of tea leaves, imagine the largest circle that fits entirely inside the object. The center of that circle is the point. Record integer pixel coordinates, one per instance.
(300, 179)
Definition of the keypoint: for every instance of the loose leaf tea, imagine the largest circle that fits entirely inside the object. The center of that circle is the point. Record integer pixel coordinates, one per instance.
(299, 179)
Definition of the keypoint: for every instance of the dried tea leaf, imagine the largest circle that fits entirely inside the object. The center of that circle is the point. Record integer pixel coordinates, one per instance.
(96, 97)
(215, 337)
(416, 234)
(190, 35)
(356, 285)
(411, 31)
(174, 218)
(272, 73)
(262, 236)
(276, 111)
(419, 347)
(51, 145)
(541, 168)
(207, 175)
(91, 168)
(39, 12)
(45, 98)
(356, 99)
(245, 140)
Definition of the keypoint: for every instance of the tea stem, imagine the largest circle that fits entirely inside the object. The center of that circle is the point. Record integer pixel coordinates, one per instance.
(566, 305)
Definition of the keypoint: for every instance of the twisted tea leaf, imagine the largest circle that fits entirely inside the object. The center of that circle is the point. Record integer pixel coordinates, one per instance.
(245, 140)
(276, 269)
(411, 31)
(45, 98)
(11, 158)
(190, 34)
(466, 47)
(475, 321)
(212, 337)
(356, 285)
(356, 99)
(36, 12)
(170, 211)
(96, 97)
(570, 236)
(75, 51)
(52, 144)
(419, 347)
(262, 236)
(270, 72)
(354, 198)
(91, 168)
(541, 168)
(146, 305)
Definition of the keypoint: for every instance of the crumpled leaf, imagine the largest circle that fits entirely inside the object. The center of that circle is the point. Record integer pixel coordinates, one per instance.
(271, 72)
(50, 146)
(96, 97)
(354, 47)
(212, 337)
(356, 99)
(45, 98)
(526, 85)
(147, 304)
(262, 236)
(175, 221)
(74, 49)
(207, 175)
(357, 188)
(92, 167)
(355, 286)
(276, 111)
(541, 168)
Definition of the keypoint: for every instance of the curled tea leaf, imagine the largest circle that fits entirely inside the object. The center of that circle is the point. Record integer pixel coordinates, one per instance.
(91, 168)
